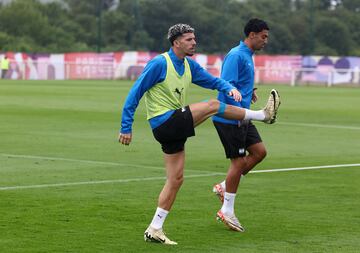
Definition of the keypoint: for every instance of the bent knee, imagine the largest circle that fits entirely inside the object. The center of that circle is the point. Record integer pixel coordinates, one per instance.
(260, 155)
(213, 105)
(238, 163)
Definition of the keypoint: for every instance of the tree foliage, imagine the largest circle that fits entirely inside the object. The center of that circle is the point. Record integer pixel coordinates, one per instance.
(296, 26)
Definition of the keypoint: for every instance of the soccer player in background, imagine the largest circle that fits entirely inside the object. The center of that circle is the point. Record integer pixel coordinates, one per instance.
(165, 81)
(240, 137)
(5, 63)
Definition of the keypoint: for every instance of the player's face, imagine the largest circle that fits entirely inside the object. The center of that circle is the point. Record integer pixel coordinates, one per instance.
(186, 44)
(260, 39)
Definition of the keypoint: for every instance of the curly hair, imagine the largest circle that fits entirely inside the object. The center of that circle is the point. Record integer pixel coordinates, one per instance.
(177, 30)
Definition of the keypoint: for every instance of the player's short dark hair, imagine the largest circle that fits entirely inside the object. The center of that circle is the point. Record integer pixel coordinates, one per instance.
(255, 25)
(177, 30)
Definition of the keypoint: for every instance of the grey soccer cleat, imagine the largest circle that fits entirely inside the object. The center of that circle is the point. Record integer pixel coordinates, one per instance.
(230, 220)
(157, 235)
(272, 107)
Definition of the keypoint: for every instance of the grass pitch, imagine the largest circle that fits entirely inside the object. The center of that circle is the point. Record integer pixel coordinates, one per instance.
(66, 185)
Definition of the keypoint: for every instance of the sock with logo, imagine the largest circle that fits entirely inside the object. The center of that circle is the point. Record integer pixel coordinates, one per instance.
(223, 183)
(159, 218)
(228, 205)
(254, 115)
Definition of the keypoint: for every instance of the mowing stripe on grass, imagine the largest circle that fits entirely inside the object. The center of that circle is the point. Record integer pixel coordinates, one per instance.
(319, 125)
(19, 187)
(92, 162)
(75, 160)
(101, 182)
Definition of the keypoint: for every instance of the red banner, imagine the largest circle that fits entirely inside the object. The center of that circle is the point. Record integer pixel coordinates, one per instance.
(89, 66)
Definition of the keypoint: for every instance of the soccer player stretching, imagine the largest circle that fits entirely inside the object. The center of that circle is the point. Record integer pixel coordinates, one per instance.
(165, 82)
(239, 137)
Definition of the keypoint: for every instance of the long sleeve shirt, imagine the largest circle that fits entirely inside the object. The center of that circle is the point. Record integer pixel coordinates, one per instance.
(238, 69)
(155, 72)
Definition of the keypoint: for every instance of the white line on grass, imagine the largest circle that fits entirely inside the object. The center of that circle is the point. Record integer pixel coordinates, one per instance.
(319, 125)
(309, 168)
(163, 178)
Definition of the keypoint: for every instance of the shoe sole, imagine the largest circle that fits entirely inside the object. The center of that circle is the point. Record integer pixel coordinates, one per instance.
(277, 102)
(230, 225)
(153, 240)
(150, 239)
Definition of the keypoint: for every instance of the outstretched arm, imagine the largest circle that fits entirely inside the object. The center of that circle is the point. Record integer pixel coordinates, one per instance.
(202, 78)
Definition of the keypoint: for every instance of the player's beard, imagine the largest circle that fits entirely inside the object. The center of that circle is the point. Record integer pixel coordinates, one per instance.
(261, 46)
(191, 52)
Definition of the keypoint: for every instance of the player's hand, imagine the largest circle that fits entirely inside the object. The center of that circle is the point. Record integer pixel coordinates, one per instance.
(235, 94)
(254, 97)
(125, 138)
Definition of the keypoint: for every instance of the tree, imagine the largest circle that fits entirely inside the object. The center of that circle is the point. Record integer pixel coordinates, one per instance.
(280, 40)
(334, 35)
(28, 23)
(296, 26)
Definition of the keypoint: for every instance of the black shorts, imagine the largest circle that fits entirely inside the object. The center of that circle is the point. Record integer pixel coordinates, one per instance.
(236, 139)
(172, 134)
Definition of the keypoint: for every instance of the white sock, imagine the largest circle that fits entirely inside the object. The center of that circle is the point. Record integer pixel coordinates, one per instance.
(159, 218)
(254, 115)
(223, 185)
(228, 205)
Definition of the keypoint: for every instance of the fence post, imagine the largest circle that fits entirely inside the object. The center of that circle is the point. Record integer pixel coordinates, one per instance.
(257, 75)
(23, 70)
(356, 75)
(293, 75)
(329, 81)
(67, 70)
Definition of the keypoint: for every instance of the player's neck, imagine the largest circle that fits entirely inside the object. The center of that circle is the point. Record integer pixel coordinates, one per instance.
(179, 54)
(249, 45)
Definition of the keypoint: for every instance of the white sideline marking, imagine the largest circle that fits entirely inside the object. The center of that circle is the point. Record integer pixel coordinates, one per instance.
(163, 178)
(319, 125)
(308, 168)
